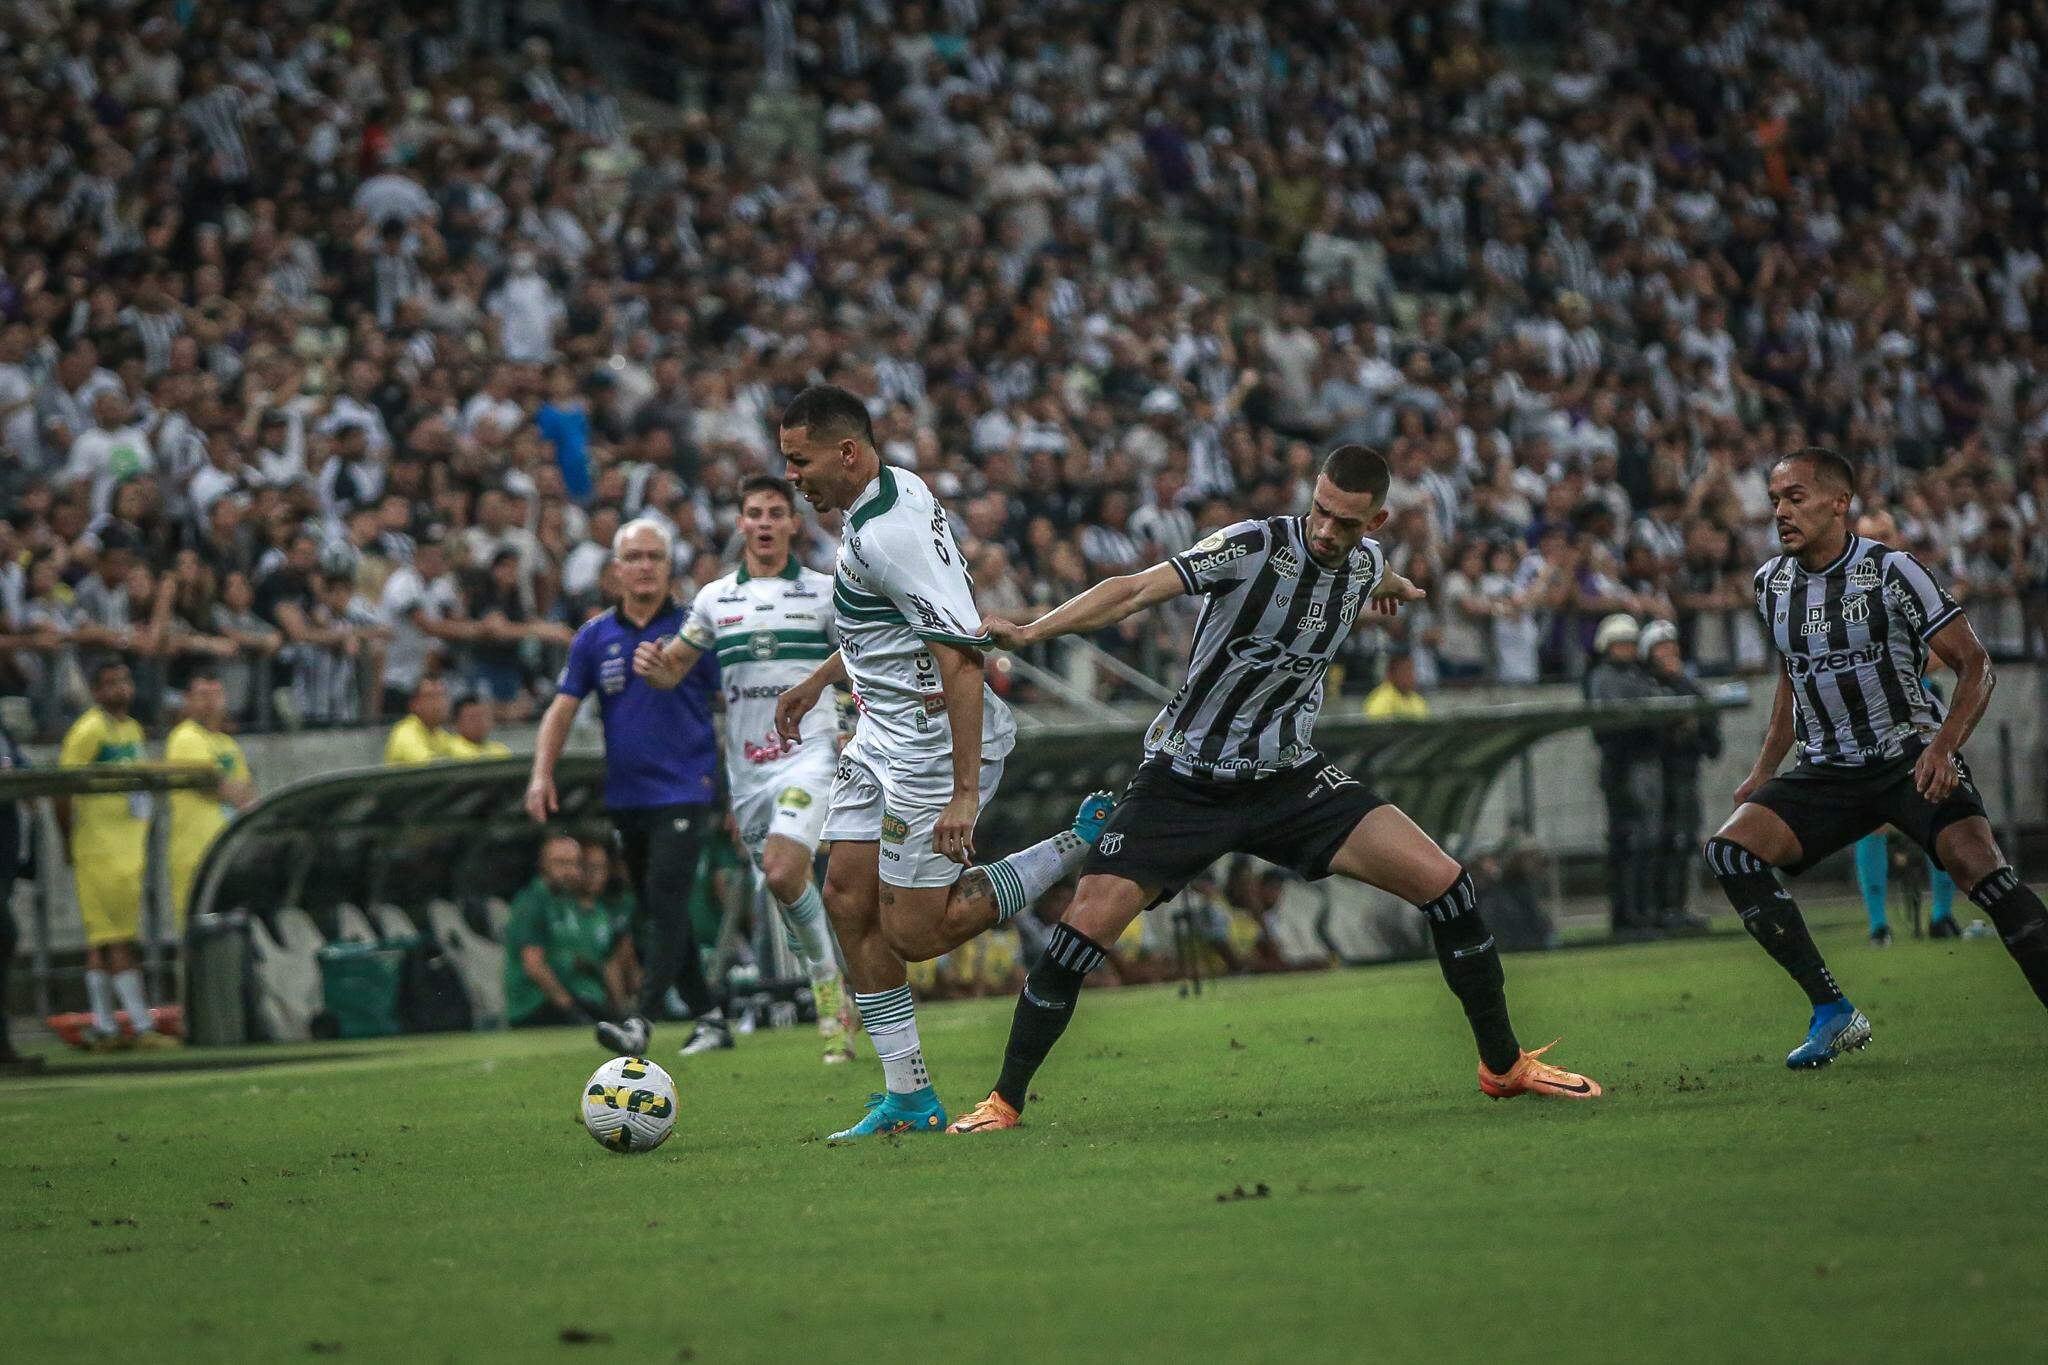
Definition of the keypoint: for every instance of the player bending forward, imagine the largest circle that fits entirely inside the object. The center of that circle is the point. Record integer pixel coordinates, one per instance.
(926, 755)
(770, 622)
(1231, 767)
(1853, 620)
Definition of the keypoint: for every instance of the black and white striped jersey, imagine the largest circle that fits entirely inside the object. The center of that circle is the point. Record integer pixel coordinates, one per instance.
(1854, 642)
(1272, 621)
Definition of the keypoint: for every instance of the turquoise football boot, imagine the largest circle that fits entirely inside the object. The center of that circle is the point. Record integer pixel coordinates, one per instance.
(890, 1113)
(1096, 808)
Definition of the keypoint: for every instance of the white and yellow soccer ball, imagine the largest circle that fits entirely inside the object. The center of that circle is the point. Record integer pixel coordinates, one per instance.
(629, 1105)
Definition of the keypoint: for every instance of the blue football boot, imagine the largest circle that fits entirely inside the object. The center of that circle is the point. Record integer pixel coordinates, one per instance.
(1836, 1029)
(890, 1113)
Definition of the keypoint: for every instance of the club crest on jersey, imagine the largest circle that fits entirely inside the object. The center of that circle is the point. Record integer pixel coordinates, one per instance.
(1862, 576)
(1781, 581)
(1856, 608)
(1110, 844)
(1816, 621)
(1285, 564)
(764, 644)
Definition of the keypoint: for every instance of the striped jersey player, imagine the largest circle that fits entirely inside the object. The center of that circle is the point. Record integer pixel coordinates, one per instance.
(1853, 621)
(1231, 767)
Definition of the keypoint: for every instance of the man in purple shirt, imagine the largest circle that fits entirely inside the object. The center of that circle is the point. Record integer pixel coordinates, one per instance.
(660, 778)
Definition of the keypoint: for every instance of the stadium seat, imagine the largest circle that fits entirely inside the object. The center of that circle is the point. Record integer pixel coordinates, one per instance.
(352, 925)
(479, 960)
(392, 922)
(288, 992)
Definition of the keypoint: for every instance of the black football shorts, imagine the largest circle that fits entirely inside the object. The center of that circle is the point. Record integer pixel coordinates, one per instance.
(1831, 808)
(1169, 828)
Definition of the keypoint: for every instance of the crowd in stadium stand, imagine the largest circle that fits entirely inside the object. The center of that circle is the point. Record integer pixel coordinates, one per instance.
(337, 345)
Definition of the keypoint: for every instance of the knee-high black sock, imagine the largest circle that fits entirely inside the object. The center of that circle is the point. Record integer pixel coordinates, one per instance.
(1770, 916)
(1043, 1008)
(2022, 921)
(1471, 965)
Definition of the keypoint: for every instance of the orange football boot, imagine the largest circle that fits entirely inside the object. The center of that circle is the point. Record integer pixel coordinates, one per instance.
(1530, 1076)
(990, 1115)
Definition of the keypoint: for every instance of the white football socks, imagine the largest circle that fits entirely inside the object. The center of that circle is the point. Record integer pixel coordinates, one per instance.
(128, 987)
(891, 1021)
(810, 933)
(99, 993)
(1026, 875)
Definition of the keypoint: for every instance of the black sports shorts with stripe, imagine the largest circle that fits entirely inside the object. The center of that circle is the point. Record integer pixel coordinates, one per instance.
(1169, 827)
(1830, 808)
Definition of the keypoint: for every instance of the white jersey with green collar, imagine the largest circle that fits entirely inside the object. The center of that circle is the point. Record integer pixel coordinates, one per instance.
(901, 582)
(769, 634)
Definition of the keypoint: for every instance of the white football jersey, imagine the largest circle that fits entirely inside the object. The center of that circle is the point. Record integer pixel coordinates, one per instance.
(769, 634)
(902, 581)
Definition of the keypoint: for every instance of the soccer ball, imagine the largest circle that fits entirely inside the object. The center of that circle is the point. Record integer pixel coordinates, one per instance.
(629, 1105)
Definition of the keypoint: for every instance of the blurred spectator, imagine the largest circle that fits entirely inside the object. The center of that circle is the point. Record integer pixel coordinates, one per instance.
(471, 736)
(16, 863)
(567, 952)
(419, 737)
(1397, 697)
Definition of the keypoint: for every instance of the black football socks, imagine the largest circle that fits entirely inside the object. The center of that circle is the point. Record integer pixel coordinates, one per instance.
(1471, 965)
(2021, 920)
(1043, 1008)
(1771, 918)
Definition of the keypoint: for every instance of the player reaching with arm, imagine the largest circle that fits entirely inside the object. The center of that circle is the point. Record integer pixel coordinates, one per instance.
(1853, 620)
(926, 756)
(1231, 767)
(770, 623)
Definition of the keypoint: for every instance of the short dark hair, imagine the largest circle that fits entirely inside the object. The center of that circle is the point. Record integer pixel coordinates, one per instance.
(106, 666)
(1358, 469)
(768, 483)
(831, 412)
(1829, 464)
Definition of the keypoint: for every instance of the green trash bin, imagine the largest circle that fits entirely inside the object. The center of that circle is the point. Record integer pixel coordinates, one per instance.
(361, 981)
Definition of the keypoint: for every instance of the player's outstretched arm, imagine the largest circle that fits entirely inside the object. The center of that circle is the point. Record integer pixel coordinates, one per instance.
(1955, 644)
(792, 706)
(1105, 604)
(665, 665)
(1391, 591)
(1777, 740)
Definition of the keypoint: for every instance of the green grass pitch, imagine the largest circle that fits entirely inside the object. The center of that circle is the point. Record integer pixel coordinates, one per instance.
(1293, 1168)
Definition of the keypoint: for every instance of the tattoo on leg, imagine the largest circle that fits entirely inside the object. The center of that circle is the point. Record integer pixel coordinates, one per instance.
(975, 885)
(888, 898)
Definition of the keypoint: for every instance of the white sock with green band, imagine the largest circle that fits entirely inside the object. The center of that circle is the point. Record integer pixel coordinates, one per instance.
(1024, 876)
(810, 934)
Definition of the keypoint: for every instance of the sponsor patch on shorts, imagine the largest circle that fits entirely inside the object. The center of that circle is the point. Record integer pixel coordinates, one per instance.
(894, 829)
(793, 798)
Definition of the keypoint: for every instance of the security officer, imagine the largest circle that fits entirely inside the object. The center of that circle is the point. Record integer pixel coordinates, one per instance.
(1683, 748)
(1631, 779)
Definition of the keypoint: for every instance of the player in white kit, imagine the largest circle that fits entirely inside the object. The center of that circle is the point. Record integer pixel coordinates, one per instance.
(926, 756)
(770, 623)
